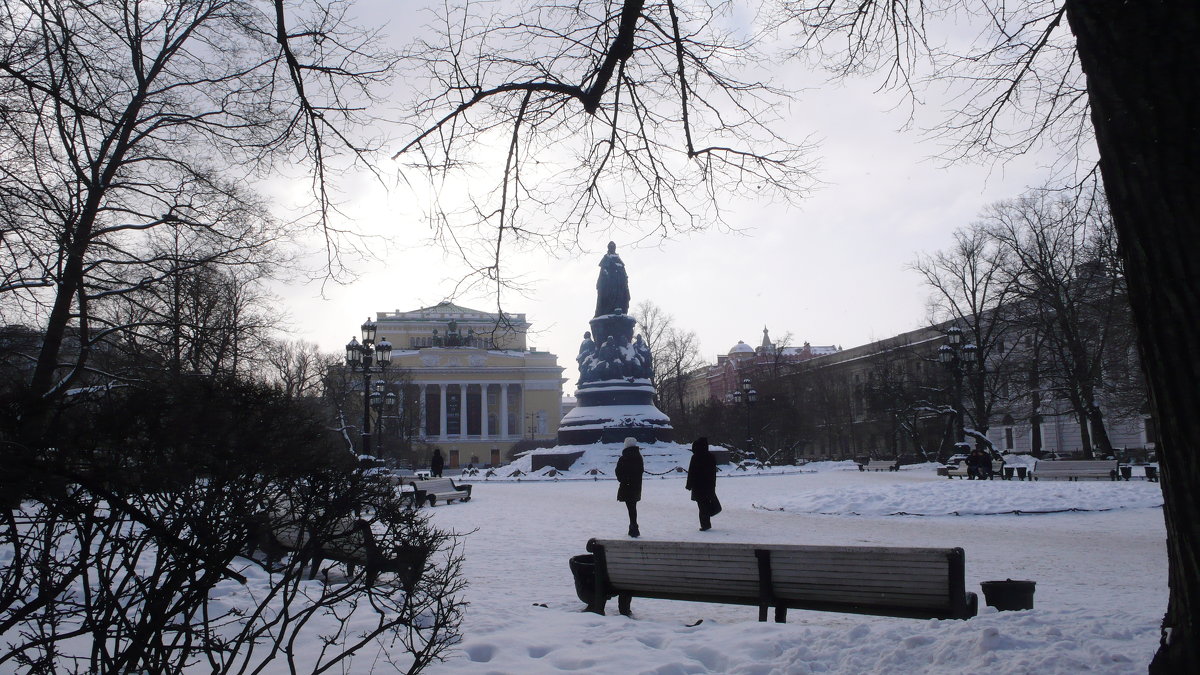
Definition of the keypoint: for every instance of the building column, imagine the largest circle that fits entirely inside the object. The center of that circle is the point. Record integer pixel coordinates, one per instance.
(483, 392)
(462, 410)
(442, 412)
(521, 409)
(504, 410)
(422, 422)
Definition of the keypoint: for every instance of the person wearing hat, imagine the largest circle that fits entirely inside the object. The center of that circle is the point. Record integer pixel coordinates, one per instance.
(702, 481)
(629, 477)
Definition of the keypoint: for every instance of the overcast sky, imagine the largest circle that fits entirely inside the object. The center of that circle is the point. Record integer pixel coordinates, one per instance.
(832, 271)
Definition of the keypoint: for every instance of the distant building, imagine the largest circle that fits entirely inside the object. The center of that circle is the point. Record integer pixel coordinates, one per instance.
(479, 387)
(718, 382)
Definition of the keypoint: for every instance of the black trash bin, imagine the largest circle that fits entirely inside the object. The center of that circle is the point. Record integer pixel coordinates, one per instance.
(1021, 471)
(1008, 595)
(1152, 473)
(1008, 472)
(1126, 472)
(583, 568)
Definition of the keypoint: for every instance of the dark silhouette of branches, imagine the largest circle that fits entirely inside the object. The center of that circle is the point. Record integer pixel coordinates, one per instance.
(596, 116)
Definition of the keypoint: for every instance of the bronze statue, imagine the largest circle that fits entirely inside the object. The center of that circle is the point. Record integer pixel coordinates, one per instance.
(612, 286)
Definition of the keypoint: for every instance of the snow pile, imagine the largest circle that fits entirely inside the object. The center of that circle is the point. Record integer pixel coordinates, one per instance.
(660, 458)
(963, 497)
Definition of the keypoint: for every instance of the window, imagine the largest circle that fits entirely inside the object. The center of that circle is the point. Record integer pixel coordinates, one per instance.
(1008, 438)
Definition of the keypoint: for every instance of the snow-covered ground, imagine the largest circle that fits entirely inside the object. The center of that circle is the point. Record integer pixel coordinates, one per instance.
(1098, 558)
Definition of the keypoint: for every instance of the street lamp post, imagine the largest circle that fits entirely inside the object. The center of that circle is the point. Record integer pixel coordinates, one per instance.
(748, 395)
(362, 356)
(960, 360)
(383, 403)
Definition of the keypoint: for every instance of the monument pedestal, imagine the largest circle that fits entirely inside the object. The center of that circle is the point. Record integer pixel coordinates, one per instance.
(611, 410)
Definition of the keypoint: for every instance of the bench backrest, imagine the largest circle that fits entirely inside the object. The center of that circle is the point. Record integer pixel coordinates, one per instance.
(1076, 466)
(436, 485)
(921, 582)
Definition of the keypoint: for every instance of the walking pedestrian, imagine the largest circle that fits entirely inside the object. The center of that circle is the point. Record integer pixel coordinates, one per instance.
(436, 463)
(702, 481)
(629, 476)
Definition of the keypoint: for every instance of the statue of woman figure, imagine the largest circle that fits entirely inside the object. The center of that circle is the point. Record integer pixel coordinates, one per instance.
(612, 286)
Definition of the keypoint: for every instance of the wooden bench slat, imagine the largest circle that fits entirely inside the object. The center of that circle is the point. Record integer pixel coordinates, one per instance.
(913, 567)
(685, 580)
(834, 557)
(624, 545)
(827, 575)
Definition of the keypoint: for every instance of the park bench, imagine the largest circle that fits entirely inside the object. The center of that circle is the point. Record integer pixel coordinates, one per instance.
(1074, 469)
(440, 489)
(349, 541)
(926, 583)
(960, 471)
(878, 465)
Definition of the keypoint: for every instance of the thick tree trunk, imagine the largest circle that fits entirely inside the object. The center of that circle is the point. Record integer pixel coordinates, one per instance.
(1100, 439)
(1142, 61)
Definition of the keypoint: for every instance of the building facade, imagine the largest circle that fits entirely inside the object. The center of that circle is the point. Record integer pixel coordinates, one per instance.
(479, 388)
(893, 397)
(717, 382)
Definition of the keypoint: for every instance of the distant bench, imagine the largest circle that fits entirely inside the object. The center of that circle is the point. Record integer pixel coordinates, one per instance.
(349, 541)
(440, 489)
(878, 465)
(1074, 469)
(924, 583)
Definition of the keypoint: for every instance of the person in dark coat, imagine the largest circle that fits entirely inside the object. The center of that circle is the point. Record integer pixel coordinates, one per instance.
(629, 475)
(702, 481)
(978, 465)
(436, 463)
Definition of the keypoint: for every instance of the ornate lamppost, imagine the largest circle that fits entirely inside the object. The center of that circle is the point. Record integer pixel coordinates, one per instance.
(362, 356)
(959, 360)
(382, 402)
(748, 395)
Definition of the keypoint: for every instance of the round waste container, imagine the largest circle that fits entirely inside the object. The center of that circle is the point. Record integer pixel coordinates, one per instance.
(1008, 595)
(583, 568)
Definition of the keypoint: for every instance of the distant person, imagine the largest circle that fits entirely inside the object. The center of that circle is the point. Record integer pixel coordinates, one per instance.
(978, 465)
(629, 475)
(436, 463)
(702, 481)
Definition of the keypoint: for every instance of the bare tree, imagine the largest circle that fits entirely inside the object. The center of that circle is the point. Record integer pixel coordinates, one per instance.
(299, 367)
(676, 356)
(972, 289)
(127, 118)
(1067, 275)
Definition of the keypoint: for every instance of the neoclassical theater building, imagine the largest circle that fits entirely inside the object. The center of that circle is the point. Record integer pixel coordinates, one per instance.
(480, 387)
